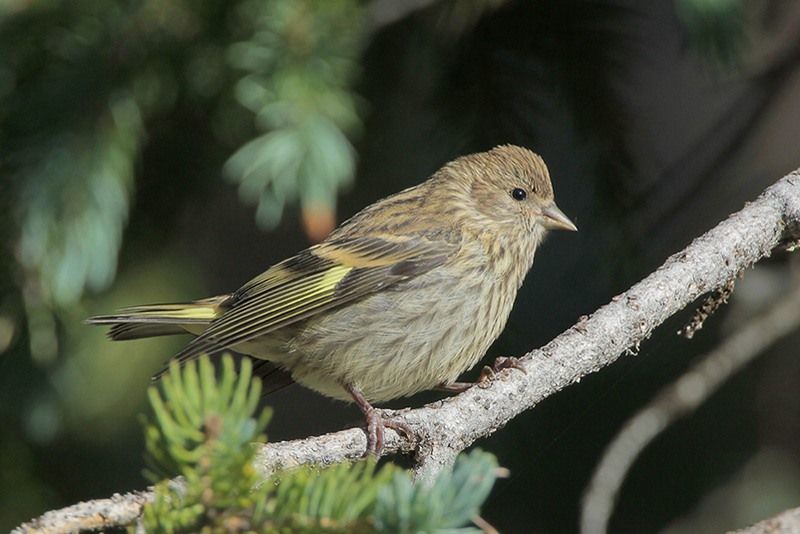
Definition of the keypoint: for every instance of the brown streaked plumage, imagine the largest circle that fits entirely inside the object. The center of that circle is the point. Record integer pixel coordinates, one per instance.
(403, 297)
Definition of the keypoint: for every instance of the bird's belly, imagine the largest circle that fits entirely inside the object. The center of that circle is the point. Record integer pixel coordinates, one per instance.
(396, 343)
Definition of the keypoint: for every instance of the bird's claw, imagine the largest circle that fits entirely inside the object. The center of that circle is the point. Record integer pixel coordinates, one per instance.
(508, 363)
(500, 363)
(376, 427)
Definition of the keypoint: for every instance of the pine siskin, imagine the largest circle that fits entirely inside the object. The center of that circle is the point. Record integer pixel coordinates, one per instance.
(403, 297)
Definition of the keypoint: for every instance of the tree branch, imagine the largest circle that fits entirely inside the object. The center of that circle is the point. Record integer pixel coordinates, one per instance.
(681, 398)
(787, 522)
(447, 427)
(710, 262)
(100, 514)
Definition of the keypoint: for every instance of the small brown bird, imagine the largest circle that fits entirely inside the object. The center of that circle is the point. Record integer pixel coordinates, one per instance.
(403, 297)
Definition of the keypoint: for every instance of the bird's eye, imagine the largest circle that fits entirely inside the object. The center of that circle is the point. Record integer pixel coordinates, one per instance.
(519, 194)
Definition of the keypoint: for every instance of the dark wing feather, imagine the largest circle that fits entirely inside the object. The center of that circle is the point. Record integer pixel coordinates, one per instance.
(273, 378)
(320, 278)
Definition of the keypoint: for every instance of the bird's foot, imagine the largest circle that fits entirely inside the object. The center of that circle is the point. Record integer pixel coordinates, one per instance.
(485, 378)
(500, 363)
(377, 422)
(509, 362)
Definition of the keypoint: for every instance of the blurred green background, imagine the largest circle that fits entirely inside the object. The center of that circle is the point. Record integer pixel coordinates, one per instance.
(160, 150)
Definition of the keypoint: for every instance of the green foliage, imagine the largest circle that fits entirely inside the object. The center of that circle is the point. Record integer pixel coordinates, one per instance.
(301, 60)
(450, 502)
(203, 424)
(75, 200)
(83, 82)
(339, 498)
(716, 28)
(204, 429)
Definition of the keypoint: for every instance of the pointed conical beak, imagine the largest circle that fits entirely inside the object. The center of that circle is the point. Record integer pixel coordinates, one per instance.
(554, 219)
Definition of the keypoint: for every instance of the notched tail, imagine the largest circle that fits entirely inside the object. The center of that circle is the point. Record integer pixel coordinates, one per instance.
(160, 319)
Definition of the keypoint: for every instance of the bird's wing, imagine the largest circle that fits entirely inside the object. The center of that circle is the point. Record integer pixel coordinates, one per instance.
(320, 278)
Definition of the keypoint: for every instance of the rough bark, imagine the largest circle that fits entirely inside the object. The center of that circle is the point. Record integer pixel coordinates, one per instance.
(446, 427)
(100, 514)
(787, 522)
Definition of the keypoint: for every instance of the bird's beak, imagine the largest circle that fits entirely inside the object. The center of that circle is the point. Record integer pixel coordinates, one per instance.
(554, 219)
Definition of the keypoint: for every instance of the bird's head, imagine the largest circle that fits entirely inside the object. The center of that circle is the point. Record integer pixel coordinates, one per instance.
(509, 187)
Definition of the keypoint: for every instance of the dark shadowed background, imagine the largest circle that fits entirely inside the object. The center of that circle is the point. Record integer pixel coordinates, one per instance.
(160, 150)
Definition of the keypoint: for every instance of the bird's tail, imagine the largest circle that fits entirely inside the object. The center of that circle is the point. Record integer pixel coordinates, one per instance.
(161, 319)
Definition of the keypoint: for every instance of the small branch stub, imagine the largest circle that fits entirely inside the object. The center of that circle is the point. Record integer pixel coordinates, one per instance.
(710, 305)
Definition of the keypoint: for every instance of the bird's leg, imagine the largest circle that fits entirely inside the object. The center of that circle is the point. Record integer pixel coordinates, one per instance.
(486, 375)
(376, 423)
